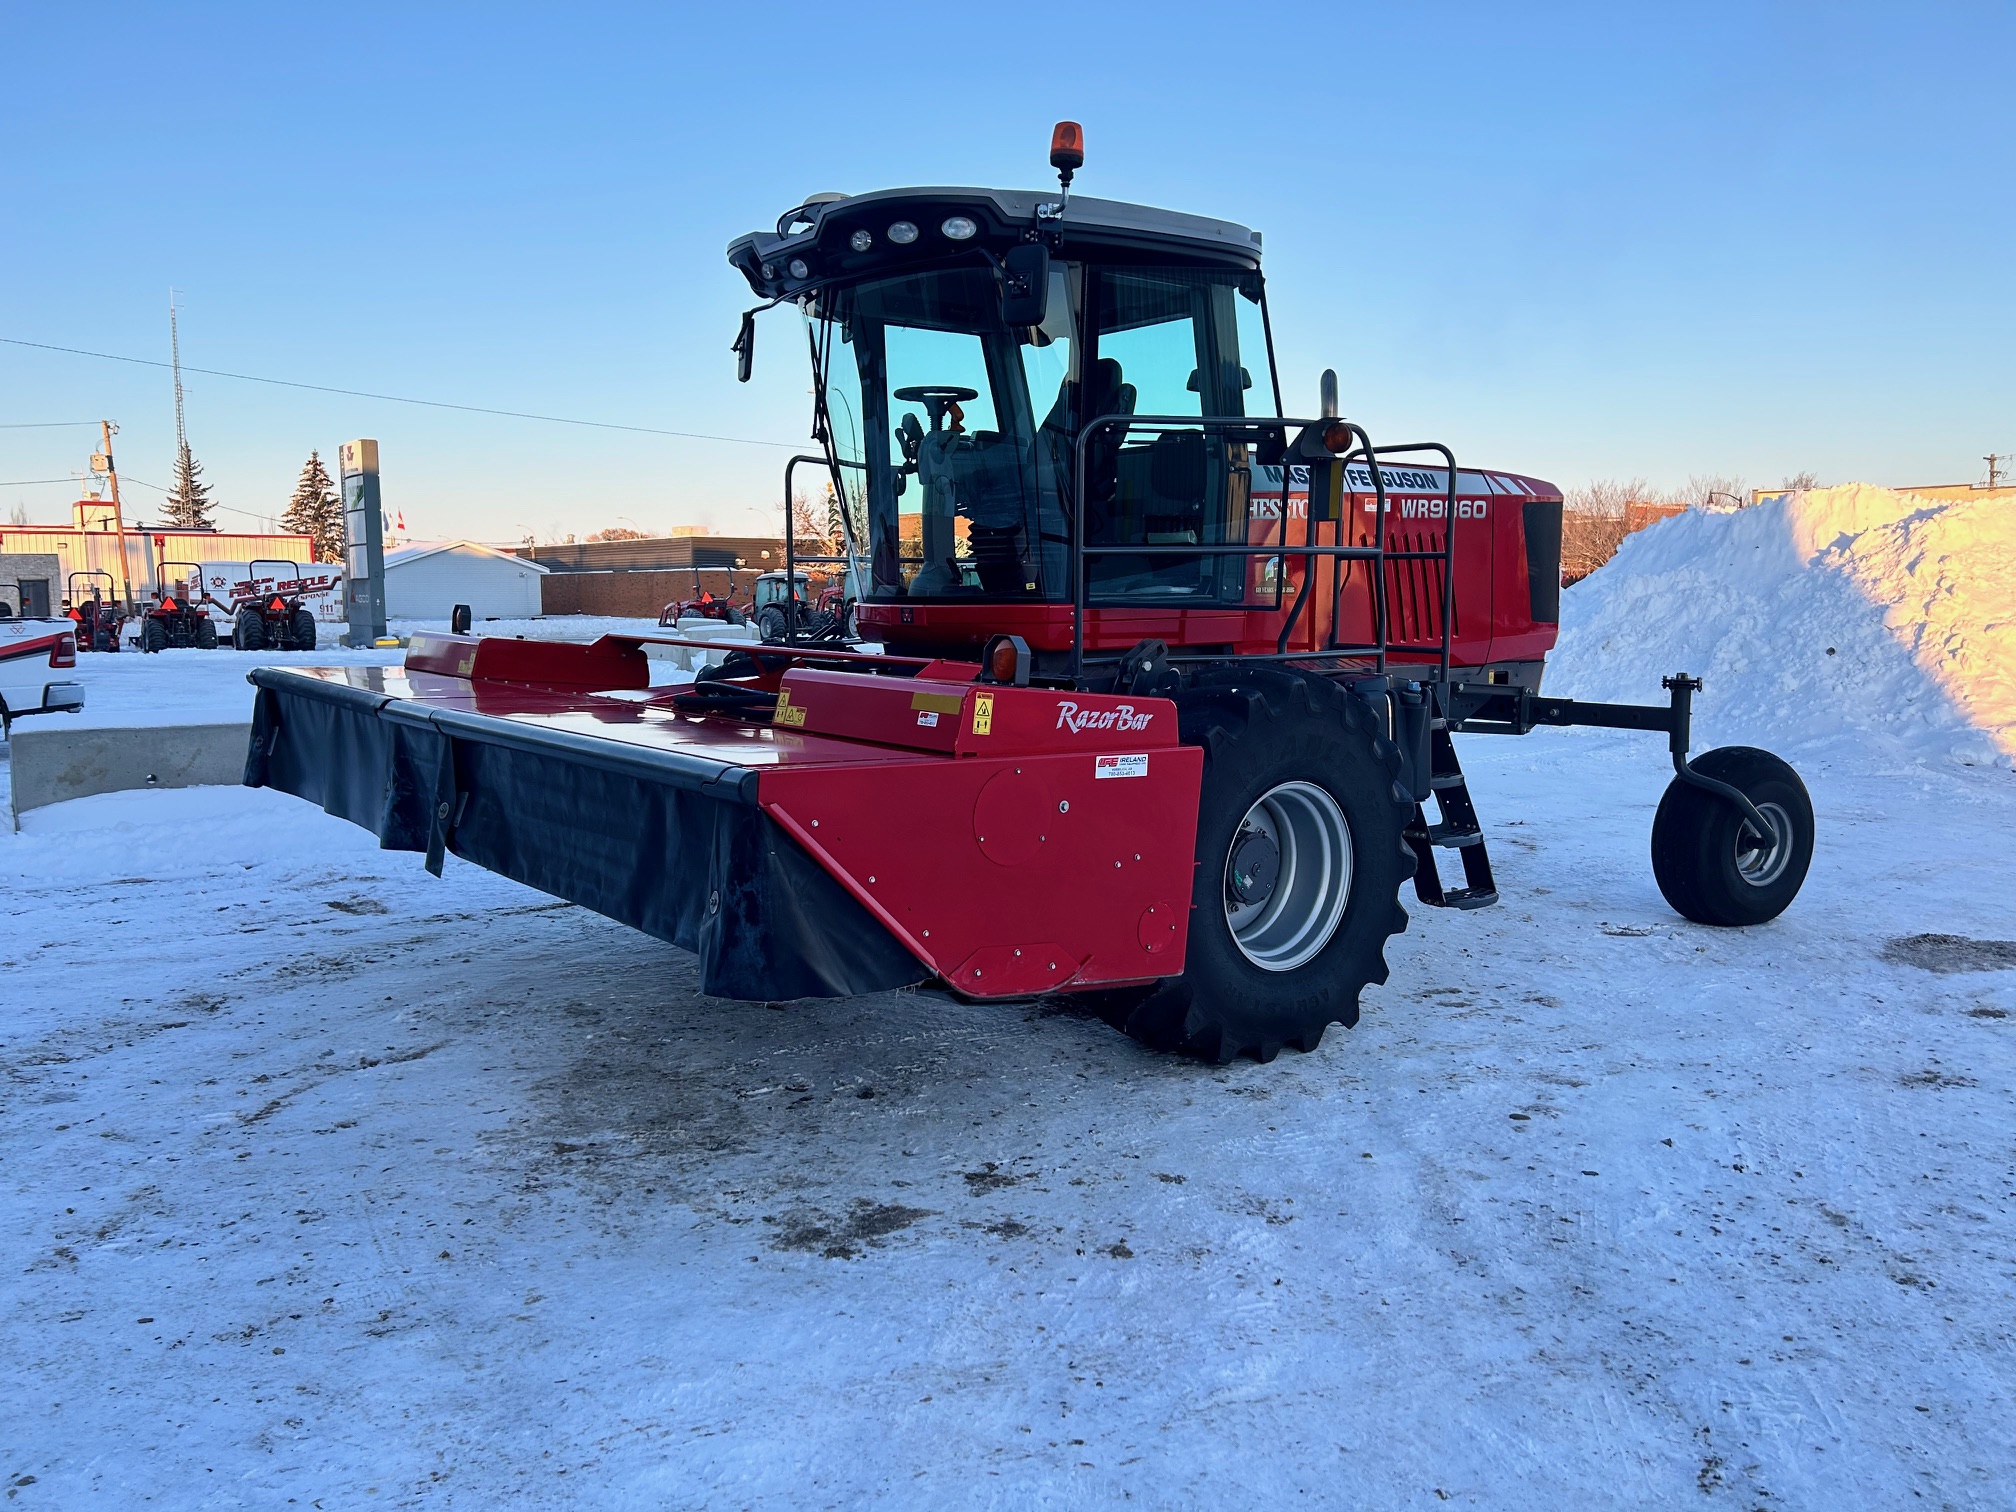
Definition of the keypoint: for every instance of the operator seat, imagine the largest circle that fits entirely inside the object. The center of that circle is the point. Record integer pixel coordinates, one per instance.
(1106, 393)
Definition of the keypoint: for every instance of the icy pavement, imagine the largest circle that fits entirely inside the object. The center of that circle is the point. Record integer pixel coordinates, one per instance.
(327, 1182)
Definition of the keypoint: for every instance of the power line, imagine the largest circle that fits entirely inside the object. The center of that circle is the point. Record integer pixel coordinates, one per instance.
(35, 482)
(228, 509)
(472, 409)
(42, 424)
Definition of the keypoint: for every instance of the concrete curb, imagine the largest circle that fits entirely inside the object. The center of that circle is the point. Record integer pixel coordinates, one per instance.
(54, 766)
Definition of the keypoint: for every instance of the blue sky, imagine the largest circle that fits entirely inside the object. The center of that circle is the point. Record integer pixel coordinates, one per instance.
(1572, 241)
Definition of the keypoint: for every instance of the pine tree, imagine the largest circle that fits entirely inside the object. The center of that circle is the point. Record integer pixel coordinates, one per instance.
(188, 503)
(837, 523)
(316, 510)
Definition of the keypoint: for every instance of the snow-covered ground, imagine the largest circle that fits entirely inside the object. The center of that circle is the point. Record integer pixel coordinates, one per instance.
(324, 1181)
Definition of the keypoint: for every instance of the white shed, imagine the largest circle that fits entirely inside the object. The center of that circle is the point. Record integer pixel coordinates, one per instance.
(427, 582)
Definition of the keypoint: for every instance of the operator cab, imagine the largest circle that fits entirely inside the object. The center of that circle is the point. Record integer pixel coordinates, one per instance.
(962, 339)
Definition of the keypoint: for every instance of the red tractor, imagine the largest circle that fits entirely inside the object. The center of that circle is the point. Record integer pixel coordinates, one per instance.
(271, 614)
(703, 605)
(179, 618)
(99, 618)
(1171, 678)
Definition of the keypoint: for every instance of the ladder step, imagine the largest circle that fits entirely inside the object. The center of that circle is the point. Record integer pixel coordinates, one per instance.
(1470, 897)
(1442, 834)
(1446, 780)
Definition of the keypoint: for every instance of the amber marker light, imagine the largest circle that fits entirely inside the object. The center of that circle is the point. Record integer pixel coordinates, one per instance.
(1007, 661)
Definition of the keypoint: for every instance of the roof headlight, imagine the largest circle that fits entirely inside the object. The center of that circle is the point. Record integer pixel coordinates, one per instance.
(902, 233)
(861, 241)
(959, 227)
(798, 268)
(769, 270)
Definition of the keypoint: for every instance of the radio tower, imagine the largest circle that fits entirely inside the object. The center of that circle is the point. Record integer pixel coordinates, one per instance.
(175, 358)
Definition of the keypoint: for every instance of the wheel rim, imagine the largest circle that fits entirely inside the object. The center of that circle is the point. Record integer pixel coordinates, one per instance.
(1760, 859)
(1287, 876)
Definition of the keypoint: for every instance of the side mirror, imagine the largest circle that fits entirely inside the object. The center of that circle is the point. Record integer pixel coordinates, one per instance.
(745, 347)
(1025, 285)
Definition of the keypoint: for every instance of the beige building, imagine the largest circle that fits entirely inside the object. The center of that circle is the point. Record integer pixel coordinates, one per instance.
(1961, 490)
(89, 545)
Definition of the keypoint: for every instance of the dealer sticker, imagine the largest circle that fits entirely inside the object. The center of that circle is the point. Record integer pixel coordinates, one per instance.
(928, 718)
(1120, 766)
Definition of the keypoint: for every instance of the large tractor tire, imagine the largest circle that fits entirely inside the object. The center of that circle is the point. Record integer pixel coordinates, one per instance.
(1709, 860)
(104, 639)
(773, 624)
(206, 633)
(303, 629)
(153, 635)
(1299, 865)
(248, 631)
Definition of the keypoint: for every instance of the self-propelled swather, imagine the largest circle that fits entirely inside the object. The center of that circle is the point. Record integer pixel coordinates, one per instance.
(1167, 680)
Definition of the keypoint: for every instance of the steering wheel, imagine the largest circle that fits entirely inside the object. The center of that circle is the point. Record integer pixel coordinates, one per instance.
(936, 398)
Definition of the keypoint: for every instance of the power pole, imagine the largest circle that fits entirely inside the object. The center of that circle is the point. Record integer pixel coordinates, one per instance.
(106, 430)
(1993, 473)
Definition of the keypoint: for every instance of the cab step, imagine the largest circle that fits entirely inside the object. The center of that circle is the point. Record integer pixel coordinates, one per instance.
(1459, 831)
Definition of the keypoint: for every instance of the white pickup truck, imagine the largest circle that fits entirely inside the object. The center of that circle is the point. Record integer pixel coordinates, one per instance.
(32, 654)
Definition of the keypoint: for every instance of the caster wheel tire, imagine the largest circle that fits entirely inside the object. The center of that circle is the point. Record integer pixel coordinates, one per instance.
(1709, 860)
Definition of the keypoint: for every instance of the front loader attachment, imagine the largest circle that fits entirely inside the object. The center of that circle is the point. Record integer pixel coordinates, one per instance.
(882, 828)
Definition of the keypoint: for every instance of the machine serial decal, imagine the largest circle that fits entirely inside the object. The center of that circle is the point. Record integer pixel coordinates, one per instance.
(1078, 721)
(983, 713)
(1120, 766)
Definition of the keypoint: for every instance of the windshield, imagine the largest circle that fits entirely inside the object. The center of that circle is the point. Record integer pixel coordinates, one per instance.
(959, 427)
(954, 432)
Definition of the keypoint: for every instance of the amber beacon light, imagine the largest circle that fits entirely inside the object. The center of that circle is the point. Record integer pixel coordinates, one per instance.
(1067, 148)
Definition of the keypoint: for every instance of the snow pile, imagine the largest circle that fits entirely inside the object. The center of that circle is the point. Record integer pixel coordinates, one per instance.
(1856, 621)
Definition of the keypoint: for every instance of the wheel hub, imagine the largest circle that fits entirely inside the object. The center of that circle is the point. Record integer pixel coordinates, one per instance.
(1288, 876)
(1256, 863)
(1762, 859)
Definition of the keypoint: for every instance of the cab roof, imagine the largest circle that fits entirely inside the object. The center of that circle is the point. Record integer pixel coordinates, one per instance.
(820, 235)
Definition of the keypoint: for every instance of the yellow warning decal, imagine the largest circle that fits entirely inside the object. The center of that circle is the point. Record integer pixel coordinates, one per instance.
(983, 713)
(788, 713)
